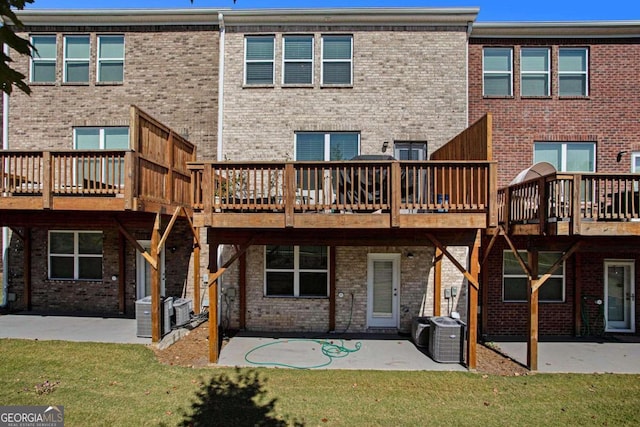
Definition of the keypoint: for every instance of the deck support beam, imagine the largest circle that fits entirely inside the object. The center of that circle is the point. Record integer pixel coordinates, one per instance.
(437, 283)
(532, 324)
(156, 332)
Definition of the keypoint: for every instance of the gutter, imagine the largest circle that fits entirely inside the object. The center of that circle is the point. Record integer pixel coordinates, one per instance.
(219, 148)
(559, 29)
(5, 230)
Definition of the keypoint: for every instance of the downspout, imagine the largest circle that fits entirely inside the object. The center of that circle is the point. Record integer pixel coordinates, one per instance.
(5, 230)
(219, 150)
(466, 63)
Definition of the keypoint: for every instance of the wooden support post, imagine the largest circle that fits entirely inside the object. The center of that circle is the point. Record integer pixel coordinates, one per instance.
(47, 179)
(213, 303)
(156, 332)
(396, 199)
(122, 268)
(577, 295)
(27, 268)
(532, 330)
(484, 296)
(196, 274)
(289, 194)
(472, 320)
(437, 283)
(242, 294)
(332, 288)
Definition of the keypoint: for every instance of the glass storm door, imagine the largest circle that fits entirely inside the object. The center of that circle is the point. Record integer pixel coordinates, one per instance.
(383, 290)
(619, 296)
(143, 272)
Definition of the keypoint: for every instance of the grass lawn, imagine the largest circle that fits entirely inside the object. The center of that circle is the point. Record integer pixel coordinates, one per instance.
(124, 385)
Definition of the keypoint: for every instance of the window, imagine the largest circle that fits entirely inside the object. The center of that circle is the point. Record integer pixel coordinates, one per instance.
(298, 60)
(110, 58)
(327, 146)
(259, 53)
(336, 60)
(105, 169)
(43, 59)
(567, 156)
(76, 59)
(534, 72)
(514, 280)
(497, 71)
(573, 72)
(635, 162)
(410, 150)
(75, 255)
(298, 271)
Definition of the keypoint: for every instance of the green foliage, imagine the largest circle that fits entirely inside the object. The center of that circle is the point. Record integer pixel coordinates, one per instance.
(124, 385)
(8, 76)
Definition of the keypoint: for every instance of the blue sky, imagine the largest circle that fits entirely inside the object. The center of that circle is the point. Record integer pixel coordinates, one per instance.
(490, 10)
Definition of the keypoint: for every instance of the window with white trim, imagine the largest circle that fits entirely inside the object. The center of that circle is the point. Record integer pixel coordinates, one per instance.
(534, 71)
(635, 162)
(297, 271)
(75, 255)
(573, 72)
(77, 52)
(259, 60)
(337, 60)
(297, 60)
(566, 156)
(103, 169)
(514, 280)
(497, 71)
(43, 59)
(110, 59)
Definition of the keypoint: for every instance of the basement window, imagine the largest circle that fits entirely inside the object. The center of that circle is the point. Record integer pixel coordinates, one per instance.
(296, 271)
(75, 255)
(514, 280)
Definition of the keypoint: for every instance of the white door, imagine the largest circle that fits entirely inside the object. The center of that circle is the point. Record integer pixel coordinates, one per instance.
(619, 296)
(143, 272)
(383, 271)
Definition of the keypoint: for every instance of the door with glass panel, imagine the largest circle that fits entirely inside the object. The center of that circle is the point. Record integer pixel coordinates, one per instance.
(316, 185)
(143, 272)
(383, 283)
(619, 296)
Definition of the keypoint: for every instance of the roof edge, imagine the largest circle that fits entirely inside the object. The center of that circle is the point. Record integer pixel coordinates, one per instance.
(550, 29)
(329, 16)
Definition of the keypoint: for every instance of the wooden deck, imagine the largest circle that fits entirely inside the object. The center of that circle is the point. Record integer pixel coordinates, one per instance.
(347, 194)
(151, 176)
(564, 204)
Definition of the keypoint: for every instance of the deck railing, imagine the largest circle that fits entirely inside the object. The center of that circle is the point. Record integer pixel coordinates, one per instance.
(342, 186)
(571, 197)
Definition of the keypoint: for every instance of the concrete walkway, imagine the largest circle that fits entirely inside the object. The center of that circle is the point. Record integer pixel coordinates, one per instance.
(579, 357)
(67, 328)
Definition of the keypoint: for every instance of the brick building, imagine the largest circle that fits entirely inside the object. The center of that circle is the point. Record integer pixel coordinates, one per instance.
(565, 94)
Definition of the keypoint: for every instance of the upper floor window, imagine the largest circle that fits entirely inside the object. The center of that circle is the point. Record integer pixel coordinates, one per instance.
(534, 72)
(43, 59)
(259, 54)
(573, 72)
(297, 271)
(110, 59)
(497, 71)
(107, 169)
(514, 280)
(567, 156)
(327, 146)
(298, 60)
(337, 65)
(76, 59)
(75, 255)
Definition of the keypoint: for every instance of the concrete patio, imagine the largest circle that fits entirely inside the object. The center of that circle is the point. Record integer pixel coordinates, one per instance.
(362, 351)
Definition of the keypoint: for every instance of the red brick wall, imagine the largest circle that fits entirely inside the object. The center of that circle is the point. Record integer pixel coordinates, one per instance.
(608, 116)
(510, 318)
